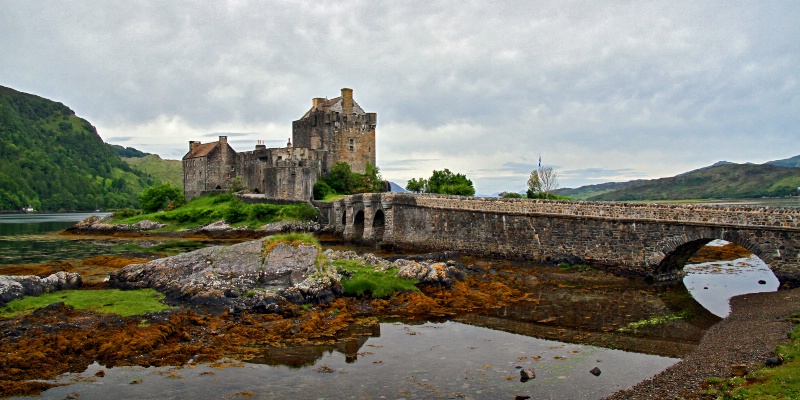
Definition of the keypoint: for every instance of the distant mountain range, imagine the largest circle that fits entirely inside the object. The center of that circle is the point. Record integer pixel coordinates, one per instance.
(722, 180)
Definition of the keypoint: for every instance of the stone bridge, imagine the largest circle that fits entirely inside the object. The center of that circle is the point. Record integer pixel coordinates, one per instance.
(652, 240)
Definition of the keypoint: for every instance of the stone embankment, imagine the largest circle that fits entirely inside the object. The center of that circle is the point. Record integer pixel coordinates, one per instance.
(14, 287)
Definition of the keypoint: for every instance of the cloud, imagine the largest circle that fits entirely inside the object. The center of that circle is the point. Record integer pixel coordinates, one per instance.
(601, 90)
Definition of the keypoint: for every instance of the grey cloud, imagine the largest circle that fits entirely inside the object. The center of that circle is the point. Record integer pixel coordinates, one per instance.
(651, 87)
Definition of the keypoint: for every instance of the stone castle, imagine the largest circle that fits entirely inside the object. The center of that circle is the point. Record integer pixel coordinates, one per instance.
(332, 131)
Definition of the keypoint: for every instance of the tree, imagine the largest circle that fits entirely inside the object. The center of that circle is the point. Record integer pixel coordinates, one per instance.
(417, 186)
(509, 195)
(160, 197)
(236, 184)
(542, 183)
(443, 182)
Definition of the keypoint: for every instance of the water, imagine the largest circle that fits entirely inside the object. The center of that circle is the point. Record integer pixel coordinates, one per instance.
(558, 331)
(430, 360)
(712, 284)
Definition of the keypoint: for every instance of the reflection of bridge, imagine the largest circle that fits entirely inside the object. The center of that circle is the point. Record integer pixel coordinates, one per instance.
(650, 239)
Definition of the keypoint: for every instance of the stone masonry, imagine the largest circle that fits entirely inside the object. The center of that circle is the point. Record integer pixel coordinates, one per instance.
(336, 130)
(644, 239)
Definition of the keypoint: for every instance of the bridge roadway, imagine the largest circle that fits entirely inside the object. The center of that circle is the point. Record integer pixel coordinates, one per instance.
(652, 240)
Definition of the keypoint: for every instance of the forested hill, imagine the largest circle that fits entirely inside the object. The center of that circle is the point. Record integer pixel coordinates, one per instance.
(54, 161)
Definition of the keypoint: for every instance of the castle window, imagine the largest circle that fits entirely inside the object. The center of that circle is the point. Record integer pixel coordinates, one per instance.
(351, 145)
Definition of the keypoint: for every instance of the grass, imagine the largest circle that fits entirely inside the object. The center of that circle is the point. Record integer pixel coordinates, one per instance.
(782, 382)
(365, 280)
(111, 301)
(567, 267)
(222, 206)
(658, 320)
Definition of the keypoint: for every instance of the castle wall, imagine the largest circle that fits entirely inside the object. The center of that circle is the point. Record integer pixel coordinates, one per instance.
(211, 171)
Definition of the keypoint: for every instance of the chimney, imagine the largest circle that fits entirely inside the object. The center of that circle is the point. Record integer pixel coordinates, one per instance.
(193, 144)
(223, 140)
(347, 101)
(289, 144)
(317, 102)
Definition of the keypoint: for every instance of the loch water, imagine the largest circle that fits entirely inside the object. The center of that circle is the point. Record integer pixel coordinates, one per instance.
(572, 323)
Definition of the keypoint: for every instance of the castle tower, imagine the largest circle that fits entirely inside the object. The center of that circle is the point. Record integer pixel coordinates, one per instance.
(340, 129)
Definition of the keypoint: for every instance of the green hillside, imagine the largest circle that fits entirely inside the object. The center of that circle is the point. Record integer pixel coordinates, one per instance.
(788, 162)
(161, 170)
(588, 191)
(726, 181)
(54, 161)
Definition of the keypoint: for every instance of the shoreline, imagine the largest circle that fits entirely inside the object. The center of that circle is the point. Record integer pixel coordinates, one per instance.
(748, 335)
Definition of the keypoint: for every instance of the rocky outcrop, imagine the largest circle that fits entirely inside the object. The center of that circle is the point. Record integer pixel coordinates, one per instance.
(240, 276)
(425, 269)
(95, 224)
(14, 287)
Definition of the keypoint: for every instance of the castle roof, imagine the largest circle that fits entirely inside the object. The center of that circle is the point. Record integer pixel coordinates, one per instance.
(201, 150)
(334, 105)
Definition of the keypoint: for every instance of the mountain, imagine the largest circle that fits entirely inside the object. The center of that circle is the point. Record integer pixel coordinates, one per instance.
(55, 161)
(161, 170)
(723, 181)
(395, 188)
(788, 162)
(585, 192)
(128, 152)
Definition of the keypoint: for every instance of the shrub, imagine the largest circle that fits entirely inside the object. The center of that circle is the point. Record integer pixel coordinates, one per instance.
(236, 212)
(125, 213)
(321, 189)
(264, 212)
(161, 196)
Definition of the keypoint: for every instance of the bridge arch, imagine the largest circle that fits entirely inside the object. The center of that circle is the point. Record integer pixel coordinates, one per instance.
(378, 225)
(358, 224)
(677, 251)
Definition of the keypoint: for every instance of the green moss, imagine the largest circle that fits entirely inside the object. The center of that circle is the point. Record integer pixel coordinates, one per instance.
(657, 320)
(365, 280)
(567, 267)
(112, 301)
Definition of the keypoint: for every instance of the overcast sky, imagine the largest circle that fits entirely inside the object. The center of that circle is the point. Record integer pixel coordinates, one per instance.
(604, 91)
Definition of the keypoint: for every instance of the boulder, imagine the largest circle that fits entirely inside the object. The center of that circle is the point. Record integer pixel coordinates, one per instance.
(595, 371)
(527, 374)
(14, 287)
(438, 273)
(146, 225)
(239, 276)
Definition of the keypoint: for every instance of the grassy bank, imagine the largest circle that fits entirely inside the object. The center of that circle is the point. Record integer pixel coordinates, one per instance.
(781, 382)
(112, 301)
(215, 207)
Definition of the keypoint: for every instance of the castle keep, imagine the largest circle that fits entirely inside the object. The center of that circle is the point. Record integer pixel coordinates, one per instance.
(336, 130)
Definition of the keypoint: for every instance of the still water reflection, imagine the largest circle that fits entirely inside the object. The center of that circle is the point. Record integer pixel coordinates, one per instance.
(429, 360)
(571, 323)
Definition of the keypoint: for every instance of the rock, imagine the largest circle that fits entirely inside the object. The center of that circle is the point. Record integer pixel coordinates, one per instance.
(527, 374)
(738, 369)
(14, 287)
(521, 397)
(762, 282)
(438, 273)
(148, 225)
(773, 362)
(595, 371)
(237, 277)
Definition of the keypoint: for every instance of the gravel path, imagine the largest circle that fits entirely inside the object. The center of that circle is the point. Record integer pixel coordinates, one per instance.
(756, 324)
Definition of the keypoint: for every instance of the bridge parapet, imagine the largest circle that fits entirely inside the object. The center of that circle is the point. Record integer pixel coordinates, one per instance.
(703, 214)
